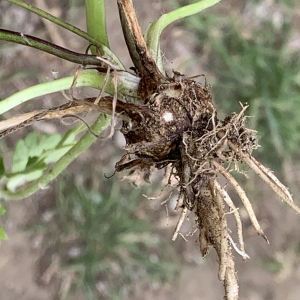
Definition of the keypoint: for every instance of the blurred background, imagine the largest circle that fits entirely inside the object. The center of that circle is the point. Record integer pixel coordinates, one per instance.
(87, 236)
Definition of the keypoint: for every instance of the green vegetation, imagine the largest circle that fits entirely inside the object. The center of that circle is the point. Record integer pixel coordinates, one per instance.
(33, 155)
(104, 243)
(3, 235)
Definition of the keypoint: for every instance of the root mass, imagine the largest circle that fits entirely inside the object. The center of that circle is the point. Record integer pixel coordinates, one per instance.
(177, 125)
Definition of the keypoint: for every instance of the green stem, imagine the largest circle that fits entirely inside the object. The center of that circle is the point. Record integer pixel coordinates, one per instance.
(92, 39)
(127, 86)
(156, 28)
(31, 41)
(84, 143)
(96, 22)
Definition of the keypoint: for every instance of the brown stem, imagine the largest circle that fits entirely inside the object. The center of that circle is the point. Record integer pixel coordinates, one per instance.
(125, 111)
(151, 75)
(129, 39)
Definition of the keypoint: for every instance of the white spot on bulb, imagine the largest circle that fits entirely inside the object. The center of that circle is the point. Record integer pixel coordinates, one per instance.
(168, 116)
(55, 74)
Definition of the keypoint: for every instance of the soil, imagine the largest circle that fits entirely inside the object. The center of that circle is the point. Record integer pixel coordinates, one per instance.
(21, 253)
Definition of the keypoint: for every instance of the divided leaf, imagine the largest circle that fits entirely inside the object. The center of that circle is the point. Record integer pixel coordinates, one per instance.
(20, 158)
(33, 155)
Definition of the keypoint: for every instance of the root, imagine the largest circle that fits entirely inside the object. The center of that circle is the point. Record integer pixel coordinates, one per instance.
(180, 200)
(223, 237)
(236, 214)
(84, 122)
(267, 176)
(213, 230)
(180, 222)
(242, 253)
(104, 86)
(243, 197)
(114, 104)
(231, 284)
(241, 113)
(73, 85)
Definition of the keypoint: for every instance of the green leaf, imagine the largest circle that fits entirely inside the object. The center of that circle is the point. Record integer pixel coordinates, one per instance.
(20, 158)
(29, 164)
(127, 85)
(69, 137)
(32, 157)
(49, 142)
(96, 22)
(3, 235)
(86, 140)
(155, 29)
(20, 179)
(2, 210)
(35, 165)
(54, 155)
(32, 161)
(31, 142)
(46, 142)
